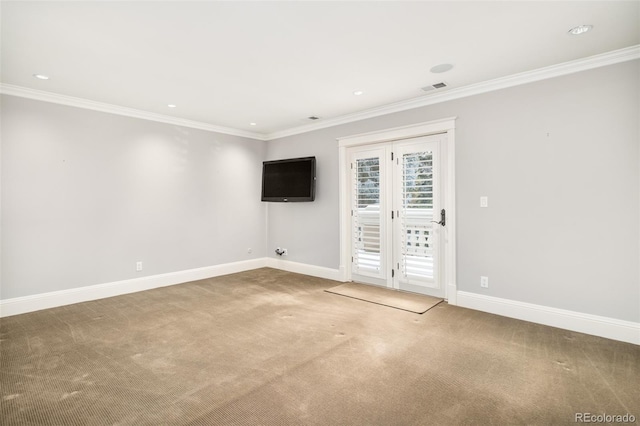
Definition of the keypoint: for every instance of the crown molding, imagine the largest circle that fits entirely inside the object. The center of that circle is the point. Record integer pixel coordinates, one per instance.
(584, 64)
(41, 95)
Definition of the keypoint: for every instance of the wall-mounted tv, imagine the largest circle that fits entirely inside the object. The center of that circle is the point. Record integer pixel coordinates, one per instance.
(289, 180)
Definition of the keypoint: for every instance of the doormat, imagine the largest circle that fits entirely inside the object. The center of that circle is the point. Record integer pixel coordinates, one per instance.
(411, 302)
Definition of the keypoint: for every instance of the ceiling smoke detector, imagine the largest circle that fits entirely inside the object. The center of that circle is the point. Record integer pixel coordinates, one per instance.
(441, 68)
(434, 86)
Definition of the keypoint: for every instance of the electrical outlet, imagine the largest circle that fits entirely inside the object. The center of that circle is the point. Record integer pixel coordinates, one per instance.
(249, 250)
(484, 282)
(138, 266)
(285, 252)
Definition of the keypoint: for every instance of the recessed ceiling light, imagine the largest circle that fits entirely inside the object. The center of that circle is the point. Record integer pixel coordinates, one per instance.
(358, 92)
(41, 76)
(252, 124)
(441, 68)
(172, 105)
(580, 29)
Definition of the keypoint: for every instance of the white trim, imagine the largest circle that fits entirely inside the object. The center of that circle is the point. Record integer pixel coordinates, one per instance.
(452, 294)
(306, 269)
(397, 133)
(583, 64)
(609, 58)
(36, 302)
(450, 206)
(445, 125)
(40, 95)
(610, 328)
(345, 220)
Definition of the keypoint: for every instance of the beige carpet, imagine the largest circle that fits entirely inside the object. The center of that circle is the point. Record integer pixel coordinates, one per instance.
(416, 303)
(268, 347)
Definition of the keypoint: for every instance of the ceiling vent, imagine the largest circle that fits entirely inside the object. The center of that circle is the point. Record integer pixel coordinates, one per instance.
(434, 86)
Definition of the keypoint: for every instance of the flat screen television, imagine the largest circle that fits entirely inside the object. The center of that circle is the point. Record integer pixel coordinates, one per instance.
(290, 180)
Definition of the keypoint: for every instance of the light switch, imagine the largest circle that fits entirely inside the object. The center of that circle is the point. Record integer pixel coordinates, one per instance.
(484, 201)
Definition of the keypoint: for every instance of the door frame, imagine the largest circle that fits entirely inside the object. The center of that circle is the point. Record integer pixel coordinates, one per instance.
(446, 125)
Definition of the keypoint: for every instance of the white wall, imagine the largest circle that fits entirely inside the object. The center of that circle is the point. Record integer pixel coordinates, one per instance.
(86, 194)
(559, 161)
(308, 230)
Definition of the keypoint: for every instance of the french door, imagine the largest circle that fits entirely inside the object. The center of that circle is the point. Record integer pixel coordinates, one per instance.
(397, 219)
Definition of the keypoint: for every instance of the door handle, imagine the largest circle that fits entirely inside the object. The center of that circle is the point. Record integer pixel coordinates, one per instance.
(443, 217)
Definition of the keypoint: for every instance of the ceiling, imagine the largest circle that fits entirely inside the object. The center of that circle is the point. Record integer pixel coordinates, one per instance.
(275, 64)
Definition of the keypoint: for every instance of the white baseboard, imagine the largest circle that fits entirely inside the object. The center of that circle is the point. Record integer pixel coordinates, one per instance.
(36, 302)
(611, 328)
(303, 268)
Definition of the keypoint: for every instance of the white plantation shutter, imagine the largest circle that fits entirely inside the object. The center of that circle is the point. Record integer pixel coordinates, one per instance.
(366, 218)
(417, 212)
(395, 197)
